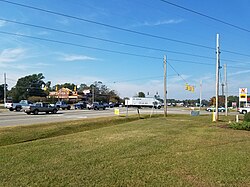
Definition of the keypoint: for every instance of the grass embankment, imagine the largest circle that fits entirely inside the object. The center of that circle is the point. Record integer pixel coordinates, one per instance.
(173, 151)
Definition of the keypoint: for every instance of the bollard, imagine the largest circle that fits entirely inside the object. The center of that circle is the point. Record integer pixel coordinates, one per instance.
(237, 118)
(214, 120)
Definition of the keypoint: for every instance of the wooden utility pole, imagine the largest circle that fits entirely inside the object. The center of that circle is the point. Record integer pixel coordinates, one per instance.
(5, 90)
(217, 78)
(226, 89)
(165, 86)
(200, 94)
(93, 94)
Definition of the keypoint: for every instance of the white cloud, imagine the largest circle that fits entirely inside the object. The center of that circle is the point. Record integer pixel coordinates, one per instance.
(11, 55)
(2, 23)
(160, 22)
(77, 58)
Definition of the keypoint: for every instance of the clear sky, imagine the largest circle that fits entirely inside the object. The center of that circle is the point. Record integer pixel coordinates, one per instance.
(96, 28)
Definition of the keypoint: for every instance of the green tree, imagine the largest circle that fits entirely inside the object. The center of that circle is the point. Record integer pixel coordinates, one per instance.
(70, 86)
(28, 86)
(141, 94)
(232, 99)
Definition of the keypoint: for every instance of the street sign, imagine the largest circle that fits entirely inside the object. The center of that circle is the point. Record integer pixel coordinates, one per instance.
(242, 94)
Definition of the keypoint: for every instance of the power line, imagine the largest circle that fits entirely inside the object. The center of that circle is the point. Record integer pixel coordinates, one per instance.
(116, 42)
(112, 51)
(207, 16)
(103, 39)
(123, 29)
(78, 45)
(108, 25)
(177, 72)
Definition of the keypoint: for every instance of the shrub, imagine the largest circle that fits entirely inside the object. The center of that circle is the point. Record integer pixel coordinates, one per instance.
(240, 126)
(247, 117)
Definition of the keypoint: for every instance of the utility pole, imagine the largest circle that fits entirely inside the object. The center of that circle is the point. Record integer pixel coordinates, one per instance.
(217, 77)
(165, 85)
(4, 89)
(93, 94)
(200, 94)
(226, 88)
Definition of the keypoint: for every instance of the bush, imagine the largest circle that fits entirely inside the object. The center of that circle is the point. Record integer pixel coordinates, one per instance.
(247, 117)
(240, 126)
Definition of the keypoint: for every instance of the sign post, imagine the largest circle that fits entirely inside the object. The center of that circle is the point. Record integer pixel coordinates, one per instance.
(242, 95)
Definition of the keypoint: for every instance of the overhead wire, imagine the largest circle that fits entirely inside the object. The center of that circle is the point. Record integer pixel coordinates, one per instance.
(123, 29)
(105, 40)
(78, 45)
(112, 41)
(206, 16)
(107, 25)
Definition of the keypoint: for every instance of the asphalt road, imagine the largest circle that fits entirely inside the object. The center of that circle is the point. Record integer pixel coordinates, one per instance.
(8, 118)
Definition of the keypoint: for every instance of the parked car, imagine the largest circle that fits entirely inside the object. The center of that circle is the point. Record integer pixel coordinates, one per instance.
(40, 107)
(80, 105)
(212, 109)
(243, 110)
(18, 106)
(63, 105)
(96, 106)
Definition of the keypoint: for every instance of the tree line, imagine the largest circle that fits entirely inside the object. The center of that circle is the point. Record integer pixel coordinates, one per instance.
(33, 87)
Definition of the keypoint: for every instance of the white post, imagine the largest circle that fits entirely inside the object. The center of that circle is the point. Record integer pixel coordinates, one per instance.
(217, 77)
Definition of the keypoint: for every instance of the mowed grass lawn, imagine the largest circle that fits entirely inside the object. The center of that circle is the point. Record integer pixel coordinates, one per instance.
(173, 151)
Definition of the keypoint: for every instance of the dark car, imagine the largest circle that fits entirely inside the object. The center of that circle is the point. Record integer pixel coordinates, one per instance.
(96, 106)
(80, 105)
(40, 107)
(63, 105)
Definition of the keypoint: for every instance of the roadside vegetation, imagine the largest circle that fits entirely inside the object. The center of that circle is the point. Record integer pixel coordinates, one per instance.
(244, 125)
(179, 150)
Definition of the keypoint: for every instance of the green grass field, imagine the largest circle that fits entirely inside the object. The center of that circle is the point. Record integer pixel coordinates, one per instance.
(173, 151)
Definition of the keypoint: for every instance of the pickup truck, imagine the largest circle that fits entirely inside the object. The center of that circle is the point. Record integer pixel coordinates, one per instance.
(18, 106)
(244, 110)
(96, 106)
(63, 105)
(80, 105)
(40, 107)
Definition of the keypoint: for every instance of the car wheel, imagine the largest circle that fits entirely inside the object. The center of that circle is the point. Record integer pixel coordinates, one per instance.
(104, 108)
(68, 107)
(63, 108)
(209, 110)
(244, 112)
(54, 111)
(10, 109)
(18, 109)
(47, 112)
(28, 113)
(35, 112)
